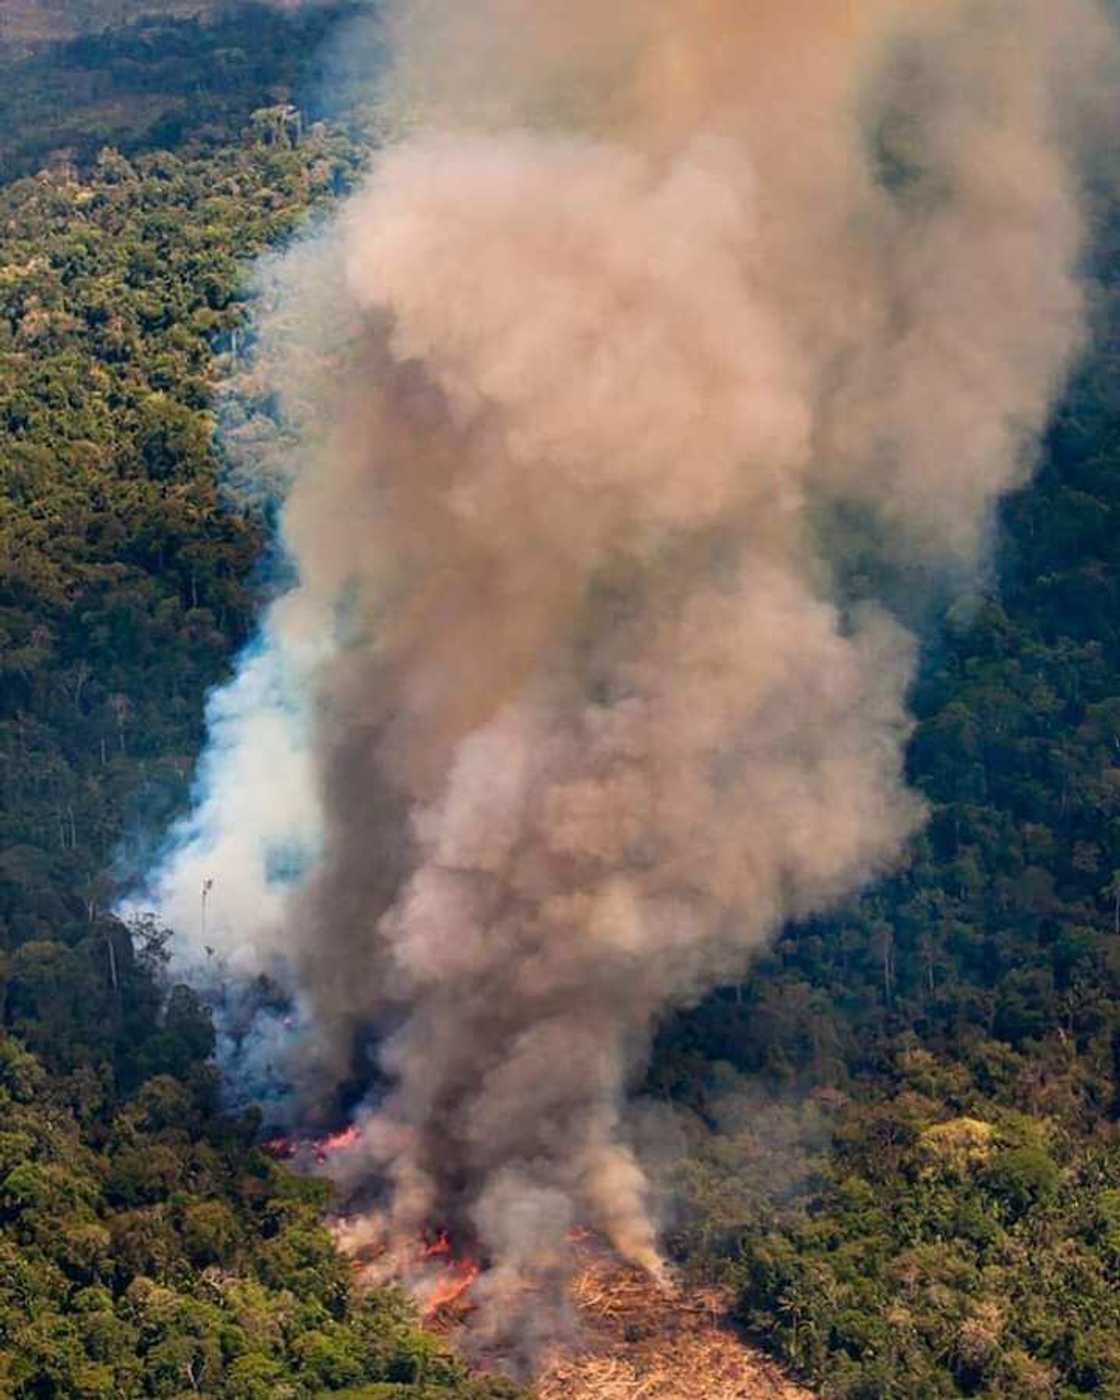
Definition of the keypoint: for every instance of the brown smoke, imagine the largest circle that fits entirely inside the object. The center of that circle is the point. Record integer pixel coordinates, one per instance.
(648, 290)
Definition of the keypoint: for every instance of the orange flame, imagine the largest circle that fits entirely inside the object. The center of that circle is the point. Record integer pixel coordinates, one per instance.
(284, 1148)
(440, 1245)
(345, 1137)
(448, 1289)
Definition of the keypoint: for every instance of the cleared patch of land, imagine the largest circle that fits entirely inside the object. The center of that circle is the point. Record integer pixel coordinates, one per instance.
(641, 1342)
(636, 1340)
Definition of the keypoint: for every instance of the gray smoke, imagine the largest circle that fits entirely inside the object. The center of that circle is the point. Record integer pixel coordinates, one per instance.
(567, 714)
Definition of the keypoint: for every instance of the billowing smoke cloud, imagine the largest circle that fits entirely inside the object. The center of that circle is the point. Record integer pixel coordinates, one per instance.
(567, 712)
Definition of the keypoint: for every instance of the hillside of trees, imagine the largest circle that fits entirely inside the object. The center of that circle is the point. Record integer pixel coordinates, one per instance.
(902, 1131)
(30, 22)
(165, 78)
(147, 1246)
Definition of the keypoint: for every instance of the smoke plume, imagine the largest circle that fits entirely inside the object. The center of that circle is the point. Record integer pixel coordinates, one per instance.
(570, 708)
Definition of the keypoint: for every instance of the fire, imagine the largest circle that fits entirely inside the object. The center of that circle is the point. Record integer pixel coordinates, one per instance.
(436, 1267)
(285, 1148)
(443, 1289)
(345, 1137)
(451, 1286)
(440, 1245)
(280, 1147)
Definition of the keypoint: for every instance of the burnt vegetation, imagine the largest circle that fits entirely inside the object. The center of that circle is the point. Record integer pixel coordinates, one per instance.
(915, 1186)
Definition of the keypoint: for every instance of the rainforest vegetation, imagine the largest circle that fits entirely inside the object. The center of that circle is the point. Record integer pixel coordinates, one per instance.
(148, 1247)
(902, 1130)
(161, 80)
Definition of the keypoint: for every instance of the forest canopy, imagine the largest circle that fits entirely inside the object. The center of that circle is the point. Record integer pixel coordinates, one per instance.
(915, 1185)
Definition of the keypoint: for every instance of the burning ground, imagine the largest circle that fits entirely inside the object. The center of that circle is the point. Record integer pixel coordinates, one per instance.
(626, 1334)
(632, 1337)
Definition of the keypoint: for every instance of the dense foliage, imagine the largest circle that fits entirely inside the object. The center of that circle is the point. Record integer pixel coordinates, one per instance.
(974, 1254)
(147, 1247)
(125, 581)
(163, 79)
(919, 1195)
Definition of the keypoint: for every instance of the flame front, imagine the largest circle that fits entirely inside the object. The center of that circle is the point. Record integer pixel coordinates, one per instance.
(451, 1285)
(335, 1142)
(286, 1149)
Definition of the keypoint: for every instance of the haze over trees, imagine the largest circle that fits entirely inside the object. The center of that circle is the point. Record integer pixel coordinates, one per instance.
(165, 76)
(33, 21)
(915, 1187)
